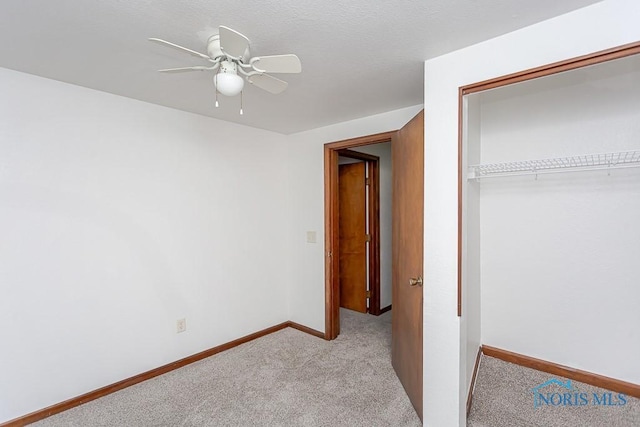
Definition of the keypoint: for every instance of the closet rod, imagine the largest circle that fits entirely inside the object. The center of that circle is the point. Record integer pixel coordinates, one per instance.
(586, 162)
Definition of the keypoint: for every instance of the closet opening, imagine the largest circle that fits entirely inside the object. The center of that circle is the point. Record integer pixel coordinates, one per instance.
(549, 189)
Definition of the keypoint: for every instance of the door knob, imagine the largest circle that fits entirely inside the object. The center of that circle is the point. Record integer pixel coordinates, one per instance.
(415, 282)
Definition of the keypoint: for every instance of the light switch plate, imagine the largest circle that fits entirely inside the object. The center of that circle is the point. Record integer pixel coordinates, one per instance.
(181, 325)
(311, 236)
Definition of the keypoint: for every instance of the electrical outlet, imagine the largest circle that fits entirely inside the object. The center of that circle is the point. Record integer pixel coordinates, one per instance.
(181, 325)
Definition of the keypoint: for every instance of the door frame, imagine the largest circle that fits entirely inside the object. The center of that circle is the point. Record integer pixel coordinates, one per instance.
(373, 215)
(331, 243)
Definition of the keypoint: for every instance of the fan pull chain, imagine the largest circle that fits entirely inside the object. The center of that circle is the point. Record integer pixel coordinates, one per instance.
(241, 112)
(217, 105)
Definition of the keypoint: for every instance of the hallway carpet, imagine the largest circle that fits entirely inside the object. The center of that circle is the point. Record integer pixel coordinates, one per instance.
(287, 378)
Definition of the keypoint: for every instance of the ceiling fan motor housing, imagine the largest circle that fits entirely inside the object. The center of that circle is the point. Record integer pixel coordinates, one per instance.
(228, 67)
(213, 47)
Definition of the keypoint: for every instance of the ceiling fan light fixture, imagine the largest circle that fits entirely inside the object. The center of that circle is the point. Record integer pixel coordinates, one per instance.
(227, 80)
(228, 84)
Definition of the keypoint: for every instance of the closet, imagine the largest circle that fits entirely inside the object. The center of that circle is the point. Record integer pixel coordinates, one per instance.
(551, 218)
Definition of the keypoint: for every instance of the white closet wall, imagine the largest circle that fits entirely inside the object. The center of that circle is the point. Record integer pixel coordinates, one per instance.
(559, 253)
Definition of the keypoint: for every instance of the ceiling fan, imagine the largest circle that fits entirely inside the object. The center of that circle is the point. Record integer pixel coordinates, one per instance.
(231, 62)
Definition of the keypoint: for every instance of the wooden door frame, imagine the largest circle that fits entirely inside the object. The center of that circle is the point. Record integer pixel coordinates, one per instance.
(522, 76)
(331, 273)
(373, 211)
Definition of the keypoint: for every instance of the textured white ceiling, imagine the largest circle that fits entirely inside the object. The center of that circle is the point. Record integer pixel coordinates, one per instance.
(359, 57)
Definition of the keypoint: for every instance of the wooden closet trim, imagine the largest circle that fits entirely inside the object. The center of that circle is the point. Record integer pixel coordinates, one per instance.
(597, 380)
(474, 376)
(521, 76)
(554, 68)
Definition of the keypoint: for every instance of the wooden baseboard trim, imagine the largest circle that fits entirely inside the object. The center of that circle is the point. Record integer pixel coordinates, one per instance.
(597, 380)
(384, 310)
(306, 329)
(473, 380)
(103, 391)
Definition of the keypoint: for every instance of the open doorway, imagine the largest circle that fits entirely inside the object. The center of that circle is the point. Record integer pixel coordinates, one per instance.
(407, 255)
(337, 156)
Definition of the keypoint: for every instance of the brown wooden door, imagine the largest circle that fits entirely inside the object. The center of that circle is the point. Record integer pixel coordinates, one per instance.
(352, 236)
(408, 206)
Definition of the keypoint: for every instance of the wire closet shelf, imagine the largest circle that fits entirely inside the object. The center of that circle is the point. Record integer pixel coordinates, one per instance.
(617, 160)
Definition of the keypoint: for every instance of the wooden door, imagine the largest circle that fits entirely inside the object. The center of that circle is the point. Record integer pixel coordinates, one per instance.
(407, 251)
(352, 236)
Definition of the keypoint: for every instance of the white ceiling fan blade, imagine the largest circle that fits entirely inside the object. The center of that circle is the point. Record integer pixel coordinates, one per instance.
(277, 63)
(183, 69)
(232, 42)
(268, 83)
(184, 49)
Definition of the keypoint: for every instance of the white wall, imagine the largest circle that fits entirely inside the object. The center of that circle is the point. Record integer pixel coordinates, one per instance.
(559, 254)
(117, 218)
(383, 151)
(600, 26)
(471, 259)
(306, 186)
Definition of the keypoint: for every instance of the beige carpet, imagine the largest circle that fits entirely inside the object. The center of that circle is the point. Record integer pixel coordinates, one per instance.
(504, 398)
(288, 378)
